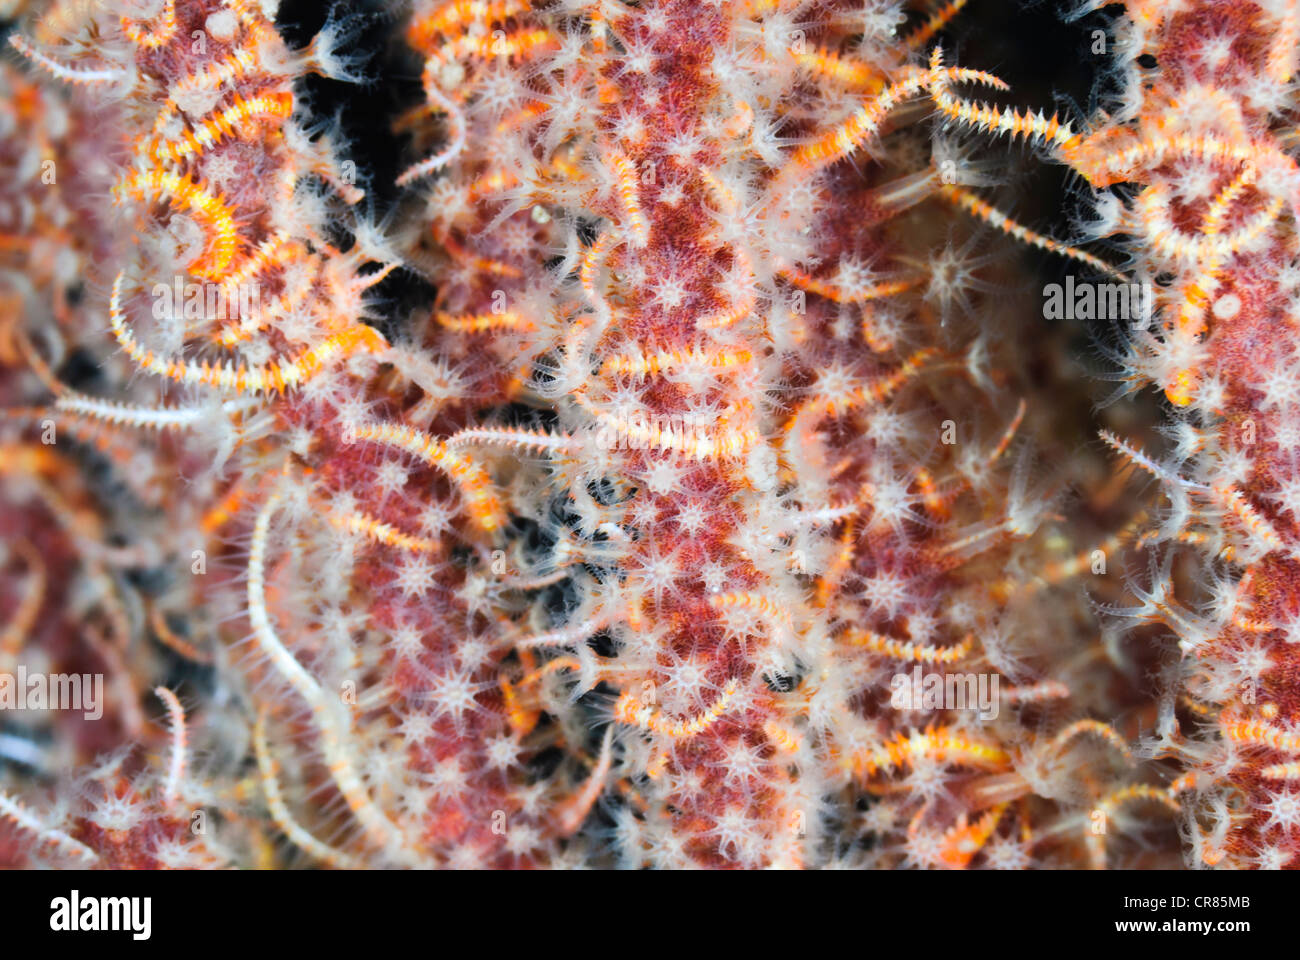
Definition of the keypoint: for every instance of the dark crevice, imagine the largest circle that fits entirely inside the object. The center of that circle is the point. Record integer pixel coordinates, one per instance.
(366, 114)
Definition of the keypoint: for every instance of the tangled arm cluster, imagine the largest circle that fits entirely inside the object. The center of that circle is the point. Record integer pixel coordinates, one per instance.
(718, 451)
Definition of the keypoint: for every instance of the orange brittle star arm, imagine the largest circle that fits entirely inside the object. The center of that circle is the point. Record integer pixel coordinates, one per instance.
(982, 210)
(574, 810)
(179, 737)
(60, 71)
(279, 810)
(473, 479)
(630, 711)
(328, 717)
(214, 214)
(277, 377)
(229, 123)
(357, 521)
(942, 744)
(995, 120)
(11, 809)
(1109, 804)
(909, 651)
(1095, 727)
(162, 29)
(842, 140)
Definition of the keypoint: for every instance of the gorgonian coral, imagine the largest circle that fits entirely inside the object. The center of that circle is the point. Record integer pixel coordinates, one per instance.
(701, 520)
(1207, 137)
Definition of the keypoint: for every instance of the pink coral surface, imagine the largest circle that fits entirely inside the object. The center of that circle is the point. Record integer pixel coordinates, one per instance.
(725, 505)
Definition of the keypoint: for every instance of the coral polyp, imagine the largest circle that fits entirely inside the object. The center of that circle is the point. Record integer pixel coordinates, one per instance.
(712, 495)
